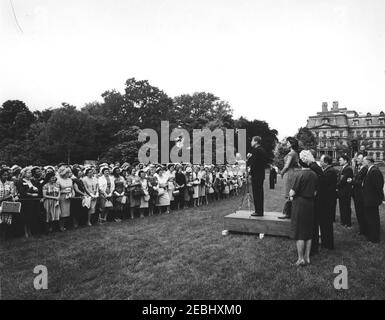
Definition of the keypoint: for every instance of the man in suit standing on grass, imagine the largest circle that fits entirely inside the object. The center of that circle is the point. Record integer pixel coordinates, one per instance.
(257, 161)
(325, 204)
(344, 191)
(373, 195)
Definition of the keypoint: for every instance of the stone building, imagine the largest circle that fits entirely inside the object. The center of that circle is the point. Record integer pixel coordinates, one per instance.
(338, 129)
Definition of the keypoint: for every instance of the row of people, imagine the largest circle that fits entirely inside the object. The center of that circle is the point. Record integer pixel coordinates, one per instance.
(314, 194)
(100, 193)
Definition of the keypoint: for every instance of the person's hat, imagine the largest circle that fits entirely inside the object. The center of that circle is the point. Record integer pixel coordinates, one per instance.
(63, 171)
(49, 167)
(102, 169)
(114, 169)
(15, 167)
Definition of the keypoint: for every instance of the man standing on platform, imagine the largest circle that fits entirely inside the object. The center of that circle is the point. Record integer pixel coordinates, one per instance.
(373, 195)
(257, 161)
(325, 204)
(344, 190)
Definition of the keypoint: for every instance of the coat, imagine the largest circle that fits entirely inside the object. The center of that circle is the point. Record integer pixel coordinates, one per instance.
(372, 187)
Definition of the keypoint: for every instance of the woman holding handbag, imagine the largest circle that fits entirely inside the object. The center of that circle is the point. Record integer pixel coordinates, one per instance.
(106, 189)
(66, 193)
(91, 186)
(144, 193)
(163, 196)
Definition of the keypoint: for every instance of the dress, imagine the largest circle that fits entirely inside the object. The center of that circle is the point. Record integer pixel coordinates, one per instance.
(30, 206)
(291, 171)
(7, 189)
(51, 206)
(66, 189)
(92, 185)
(303, 211)
(143, 202)
(163, 198)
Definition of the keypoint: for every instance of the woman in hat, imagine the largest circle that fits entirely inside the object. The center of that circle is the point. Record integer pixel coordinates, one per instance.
(180, 184)
(30, 202)
(132, 185)
(189, 190)
(119, 197)
(145, 196)
(78, 212)
(51, 196)
(7, 193)
(66, 193)
(163, 196)
(106, 190)
(92, 189)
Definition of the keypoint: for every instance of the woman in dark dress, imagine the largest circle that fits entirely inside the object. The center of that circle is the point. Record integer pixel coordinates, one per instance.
(302, 194)
(29, 198)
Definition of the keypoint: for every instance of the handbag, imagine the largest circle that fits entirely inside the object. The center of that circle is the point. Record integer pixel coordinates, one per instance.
(108, 204)
(287, 208)
(123, 200)
(176, 193)
(211, 190)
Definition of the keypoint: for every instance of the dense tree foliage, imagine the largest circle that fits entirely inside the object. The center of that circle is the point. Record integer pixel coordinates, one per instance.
(108, 130)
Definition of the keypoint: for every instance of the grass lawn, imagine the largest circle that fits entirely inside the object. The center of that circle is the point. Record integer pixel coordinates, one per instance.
(184, 256)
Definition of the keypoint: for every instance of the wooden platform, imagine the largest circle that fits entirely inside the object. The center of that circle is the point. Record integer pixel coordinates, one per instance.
(269, 224)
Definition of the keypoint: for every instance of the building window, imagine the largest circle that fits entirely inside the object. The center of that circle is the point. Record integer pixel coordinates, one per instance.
(378, 132)
(381, 121)
(378, 144)
(364, 134)
(371, 134)
(325, 121)
(356, 122)
(378, 155)
(368, 122)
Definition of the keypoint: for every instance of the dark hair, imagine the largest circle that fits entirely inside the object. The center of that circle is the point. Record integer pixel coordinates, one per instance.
(257, 139)
(48, 177)
(294, 143)
(370, 159)
(345, 157)
(3, 170)
(328, 159)
(87, 170)
(75, 171)
(114, 172)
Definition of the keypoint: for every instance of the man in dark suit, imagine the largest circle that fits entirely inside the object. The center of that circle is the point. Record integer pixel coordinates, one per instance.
(359, 174)
(373, 195)
(325, 204)
(257, 161)
(344, 191)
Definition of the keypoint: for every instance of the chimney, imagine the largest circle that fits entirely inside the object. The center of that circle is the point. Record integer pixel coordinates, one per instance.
(335, 105)
(324, 107)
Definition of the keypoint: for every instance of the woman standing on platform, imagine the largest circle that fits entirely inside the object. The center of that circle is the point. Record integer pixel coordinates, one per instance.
(288, 171)
(302, 194)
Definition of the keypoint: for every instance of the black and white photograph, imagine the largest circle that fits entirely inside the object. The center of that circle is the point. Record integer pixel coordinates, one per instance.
(192, 156)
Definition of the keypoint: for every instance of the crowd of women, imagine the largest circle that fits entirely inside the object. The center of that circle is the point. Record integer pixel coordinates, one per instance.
(55, 198)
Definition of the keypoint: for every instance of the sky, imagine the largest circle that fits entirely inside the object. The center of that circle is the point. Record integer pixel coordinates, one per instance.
(271, 60)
